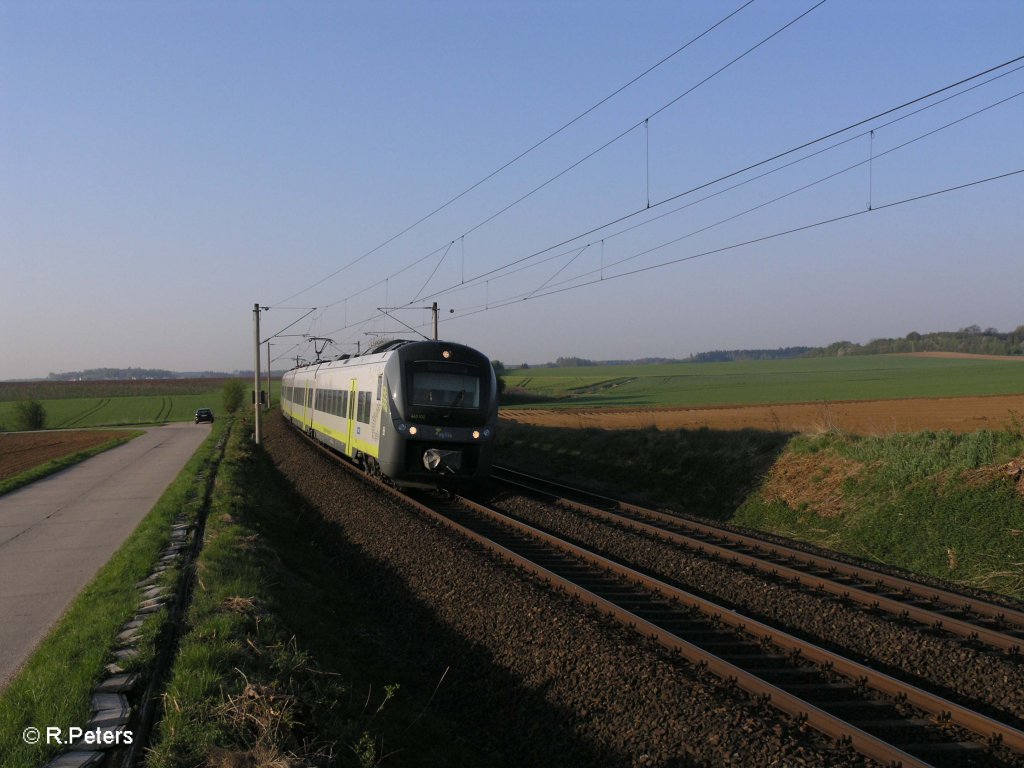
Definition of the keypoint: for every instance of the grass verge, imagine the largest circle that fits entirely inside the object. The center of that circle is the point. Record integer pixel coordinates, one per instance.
(934, 503)
(53, 687)
(280, 664)
(56, 465)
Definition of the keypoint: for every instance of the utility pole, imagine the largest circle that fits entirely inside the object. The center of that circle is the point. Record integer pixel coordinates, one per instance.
(433, 308)
(268, 374)
(256, 370)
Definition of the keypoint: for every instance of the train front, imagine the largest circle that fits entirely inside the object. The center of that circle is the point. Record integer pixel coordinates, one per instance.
(443, 403)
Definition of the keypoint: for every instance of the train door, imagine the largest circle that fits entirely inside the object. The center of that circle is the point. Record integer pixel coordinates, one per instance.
(352, 417)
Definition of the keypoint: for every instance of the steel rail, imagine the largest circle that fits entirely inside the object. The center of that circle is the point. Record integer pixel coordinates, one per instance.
(1006, 642)
(843, 732)
(984, 726)
(865, 743)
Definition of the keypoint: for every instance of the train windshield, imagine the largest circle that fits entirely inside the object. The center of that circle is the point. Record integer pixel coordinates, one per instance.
(445, 390)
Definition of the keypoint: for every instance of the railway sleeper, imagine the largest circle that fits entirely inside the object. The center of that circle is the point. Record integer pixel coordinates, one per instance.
(944, 748)
(884, 726)
(725, 648)
(826, 694)
(762, 661)
(701, 635)
(781, 676)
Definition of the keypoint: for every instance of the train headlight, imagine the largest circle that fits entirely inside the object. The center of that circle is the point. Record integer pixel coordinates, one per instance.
(446, 353)
(401, 426)
(476, 434)
(487, 432)
(413, 430)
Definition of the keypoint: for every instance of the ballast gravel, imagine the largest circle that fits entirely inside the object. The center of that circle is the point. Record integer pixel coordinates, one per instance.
(942, 663)
(546, 680)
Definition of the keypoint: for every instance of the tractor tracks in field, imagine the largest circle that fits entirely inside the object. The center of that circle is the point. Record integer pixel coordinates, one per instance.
(87, 413)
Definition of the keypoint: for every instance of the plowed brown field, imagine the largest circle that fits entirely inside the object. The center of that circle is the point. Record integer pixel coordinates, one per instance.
(864, 417)
(20, 451)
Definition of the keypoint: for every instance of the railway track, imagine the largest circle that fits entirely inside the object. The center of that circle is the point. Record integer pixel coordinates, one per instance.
(996, 626)
(886, 719)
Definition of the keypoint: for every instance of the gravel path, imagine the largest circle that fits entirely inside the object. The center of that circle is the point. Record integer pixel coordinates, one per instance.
(544, 679)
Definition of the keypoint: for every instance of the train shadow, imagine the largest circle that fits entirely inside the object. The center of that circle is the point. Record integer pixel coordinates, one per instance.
(360, 619)
(705, 472)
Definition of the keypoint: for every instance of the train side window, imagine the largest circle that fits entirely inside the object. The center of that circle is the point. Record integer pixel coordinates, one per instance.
(380, 380)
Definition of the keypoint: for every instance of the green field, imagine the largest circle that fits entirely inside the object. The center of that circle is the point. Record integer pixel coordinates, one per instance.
(867, 377)
(116, 403)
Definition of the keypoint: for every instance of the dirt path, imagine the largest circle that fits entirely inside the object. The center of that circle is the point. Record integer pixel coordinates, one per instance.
(875, 417)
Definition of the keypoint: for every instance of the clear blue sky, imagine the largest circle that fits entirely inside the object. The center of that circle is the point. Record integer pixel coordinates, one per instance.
(163, 166)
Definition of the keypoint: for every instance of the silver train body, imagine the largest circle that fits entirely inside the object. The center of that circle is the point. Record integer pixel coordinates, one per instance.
(421, 413)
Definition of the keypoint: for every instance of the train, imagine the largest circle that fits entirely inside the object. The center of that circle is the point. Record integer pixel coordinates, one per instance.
(420, 414)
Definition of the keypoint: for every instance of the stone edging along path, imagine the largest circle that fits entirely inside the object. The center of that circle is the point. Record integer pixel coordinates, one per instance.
(122, 717)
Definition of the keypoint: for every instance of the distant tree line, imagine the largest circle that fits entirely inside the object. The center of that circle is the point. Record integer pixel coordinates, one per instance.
(734, 355)
(134, 374)
(971, 340)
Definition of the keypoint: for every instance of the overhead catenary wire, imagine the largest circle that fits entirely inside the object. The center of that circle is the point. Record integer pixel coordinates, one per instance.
(490, 274)
(809, 185)
(753, 241)
(507, 268)
(601, 270)
(525, 152)
(723, 249)
(644, 121)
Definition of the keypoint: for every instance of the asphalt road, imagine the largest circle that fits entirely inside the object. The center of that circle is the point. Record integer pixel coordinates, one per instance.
(56, 533)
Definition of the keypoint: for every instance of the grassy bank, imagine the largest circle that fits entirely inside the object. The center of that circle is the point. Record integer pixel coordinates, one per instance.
(935, 503)
(280, 661)
(944, 505)
(53, 687)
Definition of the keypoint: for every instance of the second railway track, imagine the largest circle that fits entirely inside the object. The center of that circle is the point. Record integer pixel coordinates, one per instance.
(997, 626)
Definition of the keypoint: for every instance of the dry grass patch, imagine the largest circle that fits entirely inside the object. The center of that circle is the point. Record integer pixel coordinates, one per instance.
(1012, 470)
(246, 606)
(811, 481)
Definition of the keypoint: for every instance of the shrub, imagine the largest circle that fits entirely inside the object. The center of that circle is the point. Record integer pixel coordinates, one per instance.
(234, 394)
(29, 414)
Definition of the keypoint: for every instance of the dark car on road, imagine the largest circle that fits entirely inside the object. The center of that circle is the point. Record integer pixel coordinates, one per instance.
(204, 414)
